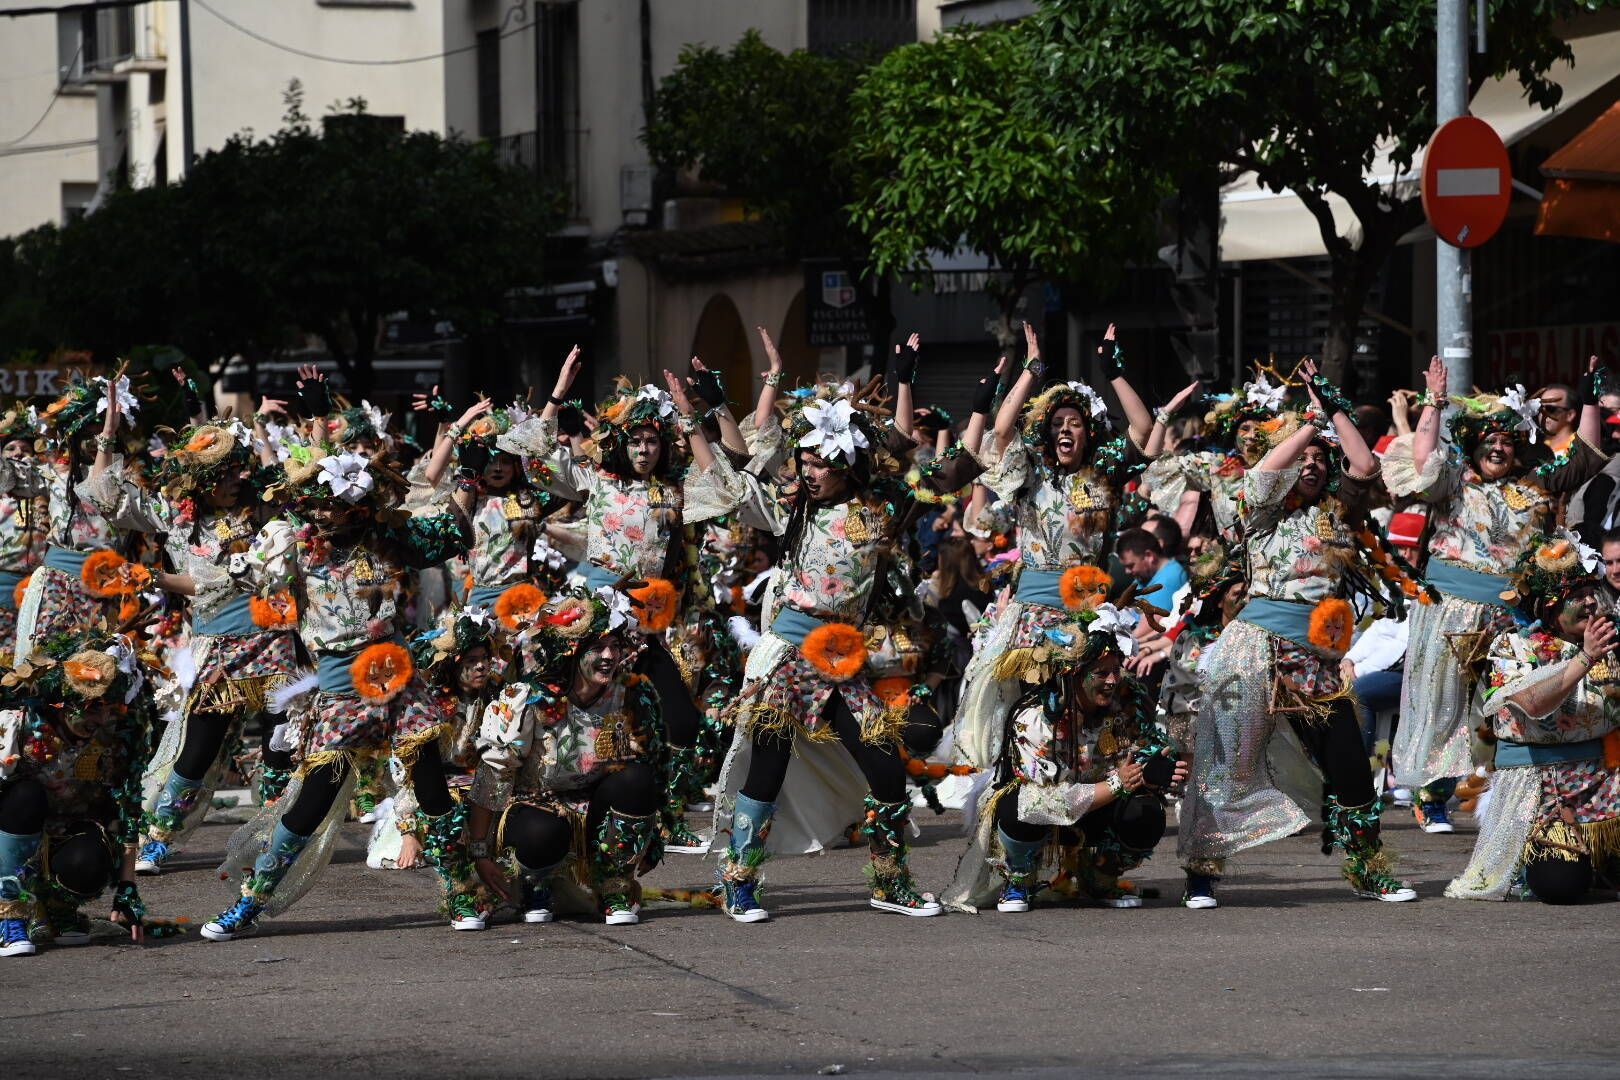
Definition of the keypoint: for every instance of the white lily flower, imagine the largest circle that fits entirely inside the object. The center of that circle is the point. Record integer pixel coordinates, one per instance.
(378, 418)
(1094, 401)
(127, 401)
(1590, 557)
(347, 474)
(1262, 393)
(1528, 408)
(621, 612)
(1111, 620)
(666, 404)
(478, 615)
(547, 554)
(832, 430)
(123, 653)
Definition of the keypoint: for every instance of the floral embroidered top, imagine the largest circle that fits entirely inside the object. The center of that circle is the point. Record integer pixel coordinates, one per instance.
(630, 524)
(1299, 552)
(198, 540)
(76, 525)
(24, 518)
(1063, 520)
(1485, 525)
(1057, 762)
(536, 745)
(89, 761)
(347, 596)
(1202, 470)
(832, 574)
(1518, 660)
(501, 545)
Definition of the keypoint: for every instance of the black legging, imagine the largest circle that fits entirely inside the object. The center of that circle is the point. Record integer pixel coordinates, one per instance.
(884, 771)
(541, 839)
(322, 784)
(23, 807)
(205, 734)
(922, 731)
(681, 718)
(1137, 823)
(83, 863)
(1335, 744)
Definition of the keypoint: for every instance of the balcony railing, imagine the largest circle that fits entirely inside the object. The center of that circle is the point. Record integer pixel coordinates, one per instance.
(556, 163)
(110, 41)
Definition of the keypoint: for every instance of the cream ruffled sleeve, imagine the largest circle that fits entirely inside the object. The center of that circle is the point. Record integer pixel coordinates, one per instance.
(560, 472)
(1435, 482)
(712, 492)
(1007, 469)
(767, 445)
(505, 734)
(120, 500)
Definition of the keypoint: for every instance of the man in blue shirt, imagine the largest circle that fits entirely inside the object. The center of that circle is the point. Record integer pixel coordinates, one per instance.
(1144, 559)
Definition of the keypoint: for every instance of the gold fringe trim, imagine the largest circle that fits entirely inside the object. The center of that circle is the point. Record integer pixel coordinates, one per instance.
(326, 757)
(229, 696)
(577, 866)
(1212, 867)
(1597, 840)
(1285, 698)
(1602, 839)
(407, 749)
(1017, 665)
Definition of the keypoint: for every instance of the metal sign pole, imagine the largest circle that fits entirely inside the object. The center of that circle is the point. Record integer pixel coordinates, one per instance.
(1454, 316)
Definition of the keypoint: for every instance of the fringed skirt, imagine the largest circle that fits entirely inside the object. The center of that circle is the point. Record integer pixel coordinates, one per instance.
(784, 695)
(348, 725)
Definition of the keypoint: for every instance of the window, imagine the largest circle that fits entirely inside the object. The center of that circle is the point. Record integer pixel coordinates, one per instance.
(860, 25)
(76, 199)
(70, 45)
(557, 55)
(489, 83)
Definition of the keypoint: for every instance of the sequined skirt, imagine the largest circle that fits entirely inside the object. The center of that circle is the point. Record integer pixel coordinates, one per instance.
(1434, 737)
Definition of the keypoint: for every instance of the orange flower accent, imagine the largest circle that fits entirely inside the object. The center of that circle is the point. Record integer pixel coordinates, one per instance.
(1611, 750)
(518, 604)
(381, 671)
(895, 690)
(837, 650)
(277, 612)
(658, 602)
(103, 574)
(56, 406)
(1083, 587)
(1332, 626)
(481, 427)
(202, 440)
(615, 412)
(22, 587)
(1555, 550)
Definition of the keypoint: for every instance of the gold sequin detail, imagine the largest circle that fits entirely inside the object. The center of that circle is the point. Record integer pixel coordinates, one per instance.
(88, 765)
(607, 738)
(1517, 497)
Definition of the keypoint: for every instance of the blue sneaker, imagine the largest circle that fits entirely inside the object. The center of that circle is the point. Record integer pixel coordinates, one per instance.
(535, 903)
(1015, 896)
(14, 938)
(238, 920)
(1200, 892)
(741, 903)
(153, 853)
(1432, 817)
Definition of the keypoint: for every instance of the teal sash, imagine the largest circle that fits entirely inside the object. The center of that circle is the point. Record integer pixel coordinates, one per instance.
(332, 669)
(1040, 587)
(1512, 755)
(485, 595)
(1459, 581)
(793, 625)
(8, 589)
(235, 619)
(1285, 618)
(69, 562)
(598, 577)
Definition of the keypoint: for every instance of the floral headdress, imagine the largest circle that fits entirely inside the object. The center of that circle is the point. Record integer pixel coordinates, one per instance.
(84, 403)
(834, 419)
(71, 669)
(1071, 395)
(487, 429)
(1554, 566)
(19, 420)
(1512, 411)
(630, 407)
(353, 423)
(324, 472)
(552, 633)
(437, 649)
(1260, 399)
(198, 458)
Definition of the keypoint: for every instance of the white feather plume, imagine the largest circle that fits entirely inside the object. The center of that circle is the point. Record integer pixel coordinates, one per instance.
(742, 632)
(282, 698)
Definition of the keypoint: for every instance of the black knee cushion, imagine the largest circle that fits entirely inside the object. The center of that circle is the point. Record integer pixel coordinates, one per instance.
(1140, 822)
(922, 731)
(1559, 881)
(83, 864)
(1158, 771)
(23, 807)
(634, 789)
(1007, 821)
(428, 782)
(538, 839)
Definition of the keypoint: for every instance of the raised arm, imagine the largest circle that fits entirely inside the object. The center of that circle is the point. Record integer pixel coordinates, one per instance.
(1427, 436)
(1591, 426)
(1288, 451)
(565, 381)
(708, 386)
(1331, 402)
(444, 447)
(1137, 417)
(1022, 388)
(765, 408)
(1161, 421)
(905, 370)
(984, 399)
(702, 455)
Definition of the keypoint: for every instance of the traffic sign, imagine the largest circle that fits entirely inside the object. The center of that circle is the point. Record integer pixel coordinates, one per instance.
(1467, 182)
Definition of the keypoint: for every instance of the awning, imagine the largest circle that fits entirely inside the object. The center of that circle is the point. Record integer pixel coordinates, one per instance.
(1583, 198)
(1260, 224)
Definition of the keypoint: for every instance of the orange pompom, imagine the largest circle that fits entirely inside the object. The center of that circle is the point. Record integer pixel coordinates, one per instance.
(22, 587)
(1083, 587)
(276, 612)
(518, 604)
(1332, 626)
(102, 574)
(658, 601)
(381, 671)
(895, 690)
(837, 650)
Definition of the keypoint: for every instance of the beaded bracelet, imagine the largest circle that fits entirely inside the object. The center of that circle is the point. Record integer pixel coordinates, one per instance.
(773, 378)
(1162, 417)
(1425, 400)
(1116, 785)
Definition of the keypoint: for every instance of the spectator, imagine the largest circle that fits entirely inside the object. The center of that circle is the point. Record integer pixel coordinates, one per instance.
(1143, 559)
(1609, 548)
(1167, 531)
(1559, 414)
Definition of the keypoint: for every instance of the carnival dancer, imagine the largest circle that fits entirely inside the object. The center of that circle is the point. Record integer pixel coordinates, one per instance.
(1243, 427)
(1082, 775)
(642, 503)
(24, 514)
(1276, 672)
(80, 573)
(342, 551)
(1218, 595)
(241, 647)
(1553, 819)
(75, 730)
(570, 786)
(1490, 500)
(808, 691)
(1054, 462)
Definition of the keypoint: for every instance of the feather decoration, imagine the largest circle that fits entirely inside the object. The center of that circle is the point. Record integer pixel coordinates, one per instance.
(283, 697)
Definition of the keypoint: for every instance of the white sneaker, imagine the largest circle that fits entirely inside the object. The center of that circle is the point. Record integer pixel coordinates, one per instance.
(18, 948)
(1401, 797)
(538, 915)
(1395, 896)
(467, 922)
(367, 818)
(147, 867)
(1121, 901)
(629, 916)
(928, 907)
(1200, 903)
(1015, 906)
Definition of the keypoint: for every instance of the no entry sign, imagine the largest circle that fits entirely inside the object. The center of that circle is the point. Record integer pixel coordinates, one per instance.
(1467, 182)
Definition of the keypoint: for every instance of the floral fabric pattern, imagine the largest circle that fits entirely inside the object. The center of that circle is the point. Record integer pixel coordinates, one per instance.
(1063, 521)
(1299, 552)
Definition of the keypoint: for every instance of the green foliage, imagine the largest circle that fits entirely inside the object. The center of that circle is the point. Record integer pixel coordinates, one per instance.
(325, 230)
(772, 128)
(952, 152)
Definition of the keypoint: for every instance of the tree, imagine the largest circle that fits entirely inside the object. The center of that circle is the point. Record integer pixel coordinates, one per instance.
(1302, 94)
(773, 129)
(950, 153)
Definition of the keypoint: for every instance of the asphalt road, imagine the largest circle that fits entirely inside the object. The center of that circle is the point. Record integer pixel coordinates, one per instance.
(1291, 976)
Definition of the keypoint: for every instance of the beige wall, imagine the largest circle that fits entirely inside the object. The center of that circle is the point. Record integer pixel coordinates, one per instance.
(62, 150)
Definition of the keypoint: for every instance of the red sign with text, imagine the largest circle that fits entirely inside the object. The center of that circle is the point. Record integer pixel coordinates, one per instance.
(1467, 182)
(1538, 355)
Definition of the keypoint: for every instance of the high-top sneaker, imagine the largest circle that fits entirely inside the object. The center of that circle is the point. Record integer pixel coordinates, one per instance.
(1018, 865)
(684, 782)
(888, 873)
(622, 842)
(446, 851)
(739, 867)
(269, 868)
(174, 804)
(1367, 866)
(534, 894)
(17, 900)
